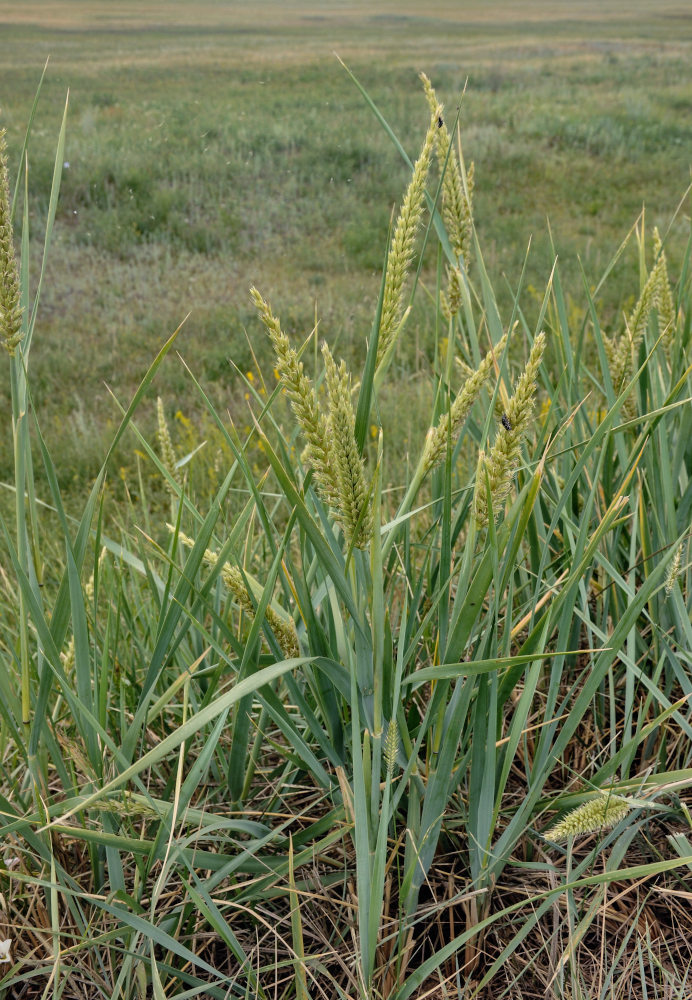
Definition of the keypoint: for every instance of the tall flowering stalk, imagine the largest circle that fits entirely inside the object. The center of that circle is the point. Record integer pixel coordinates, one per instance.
(282, 627)
(456, 201)
(10, 309)
(450, 423)
(352, 496)
(168, 455)
(457, 206)
(331, 449)
(664, 297)
(501, 464)
(301, 393)
(656, 294)
(402, 247)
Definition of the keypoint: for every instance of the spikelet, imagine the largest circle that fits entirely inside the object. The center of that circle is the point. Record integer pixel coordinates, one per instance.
(596, 814)
(402, 246)
(621, 350)
(10, 309)
(673, 570)
(284, 631)
(391, 746)
(451, 422)
(301, 393)
(466, 371)
(454, 292)
(351, 501)
(663, 295)
(169, 458)
(283, 628)
(456, 206)
(502, 462)
(444, 306)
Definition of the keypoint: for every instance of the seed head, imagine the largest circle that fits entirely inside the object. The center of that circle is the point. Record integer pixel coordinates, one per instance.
(301, 393)
(352, 499)
(663, 296)
(600, 813)
(620, 350)
(401, 249)
(10, 309)
(673, 570)
(391, 746)
(283, 628)
(169, 458)
(451, 422)
(456, 206)
(503, 461)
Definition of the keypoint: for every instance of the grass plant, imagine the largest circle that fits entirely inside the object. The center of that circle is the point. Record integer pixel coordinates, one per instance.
(324, 735)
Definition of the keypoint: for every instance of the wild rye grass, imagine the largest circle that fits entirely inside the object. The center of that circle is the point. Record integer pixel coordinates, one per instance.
(470, 776)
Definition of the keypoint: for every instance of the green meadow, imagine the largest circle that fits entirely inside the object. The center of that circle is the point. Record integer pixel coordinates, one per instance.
(345, 500)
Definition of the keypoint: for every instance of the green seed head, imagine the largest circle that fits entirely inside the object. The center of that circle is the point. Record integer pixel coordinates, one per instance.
(352, 497)
(391, 746)
(301, 393)
(169, 458)
(456, 202)
(503, 461)
(10, 309)
(402, 246)
(452, 421)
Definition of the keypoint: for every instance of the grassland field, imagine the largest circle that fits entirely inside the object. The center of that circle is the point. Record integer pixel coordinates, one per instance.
(211, 146)
(409, 717)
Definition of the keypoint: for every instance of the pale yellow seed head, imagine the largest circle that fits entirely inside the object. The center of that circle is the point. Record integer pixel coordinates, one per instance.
(673, 570)
(600, 813)
(283, 629)
(457, 212)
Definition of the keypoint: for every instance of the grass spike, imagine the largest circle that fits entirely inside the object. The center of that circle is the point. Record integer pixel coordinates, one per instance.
(283, 629)
(457, 212)
(352, 493)
(597, 814)
(168, 455)
(402, 246)
(301, 393)
(503, 461)
(451, 422)
(10, 307)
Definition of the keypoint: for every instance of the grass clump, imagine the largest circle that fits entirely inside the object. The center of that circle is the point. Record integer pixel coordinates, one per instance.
(314, 746)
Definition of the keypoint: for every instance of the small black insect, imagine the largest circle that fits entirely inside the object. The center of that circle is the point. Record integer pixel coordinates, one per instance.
(440, 123)
(505, 422)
